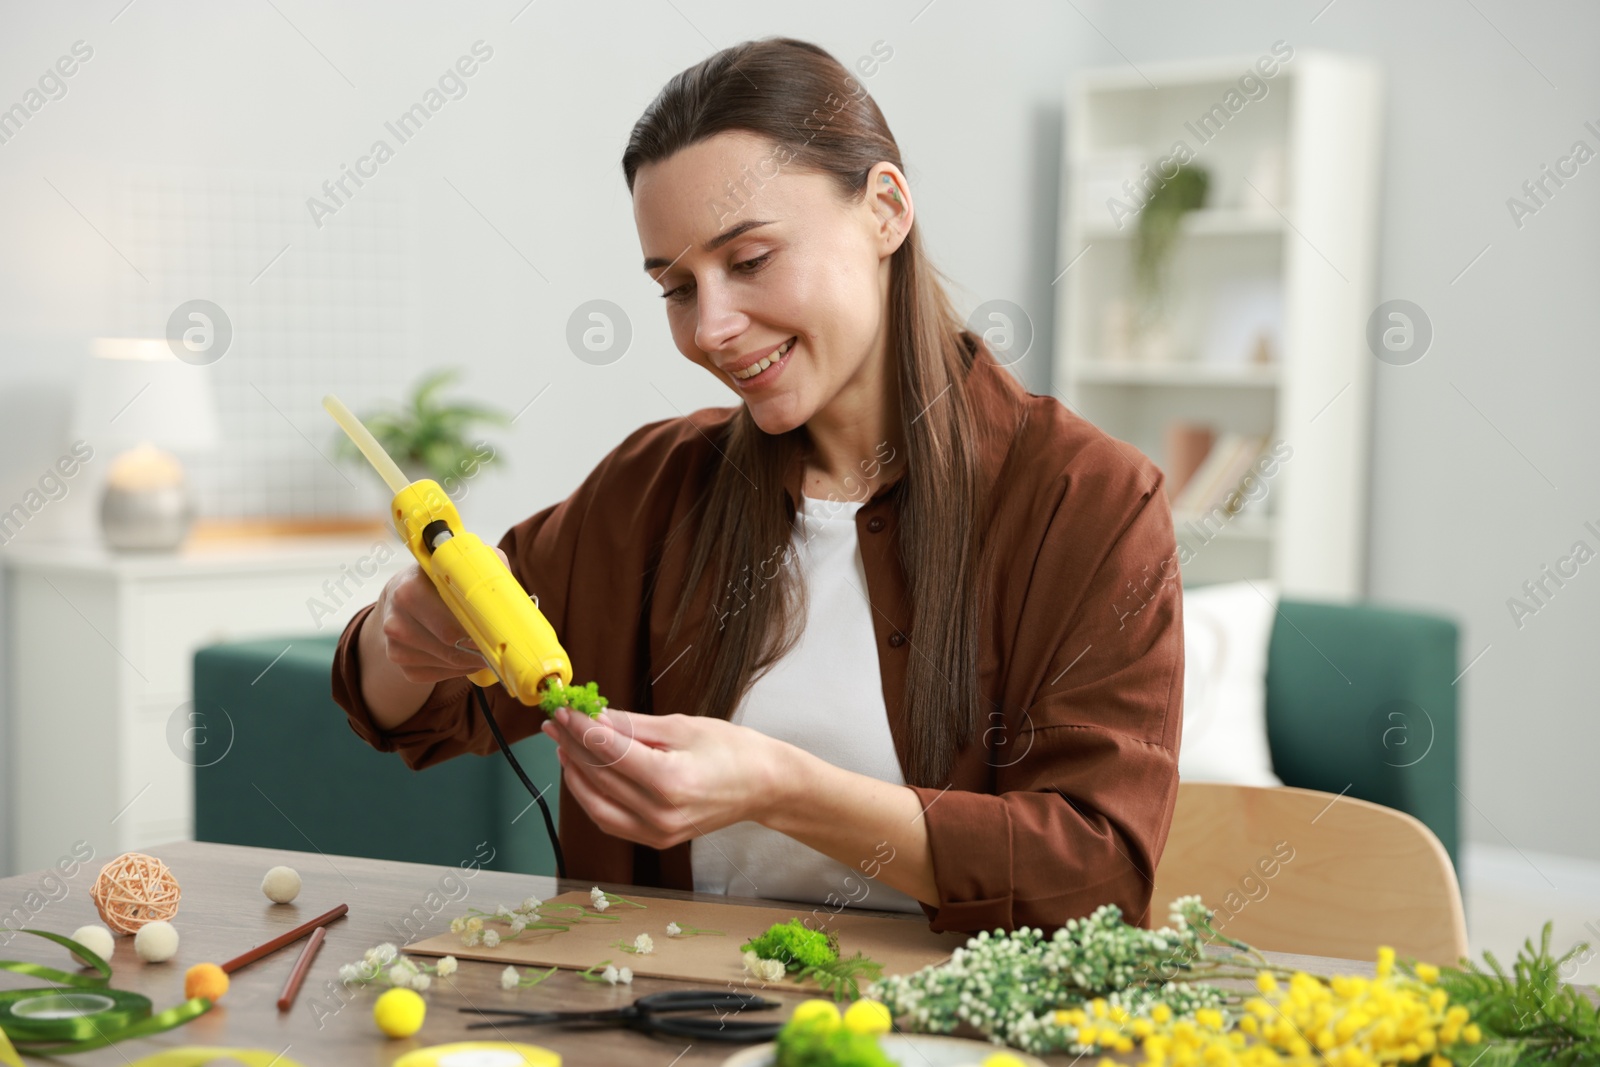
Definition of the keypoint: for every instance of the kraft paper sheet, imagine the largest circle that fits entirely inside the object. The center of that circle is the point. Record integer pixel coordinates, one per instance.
(901, 945)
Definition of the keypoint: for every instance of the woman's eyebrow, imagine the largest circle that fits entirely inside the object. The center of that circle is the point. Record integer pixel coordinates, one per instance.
(712, 245)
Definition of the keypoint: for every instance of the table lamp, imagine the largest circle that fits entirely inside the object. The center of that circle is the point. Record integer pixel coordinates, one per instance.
(136, 402)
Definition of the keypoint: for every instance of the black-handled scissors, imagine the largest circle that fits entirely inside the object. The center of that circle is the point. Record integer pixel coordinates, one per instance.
(651, 1014)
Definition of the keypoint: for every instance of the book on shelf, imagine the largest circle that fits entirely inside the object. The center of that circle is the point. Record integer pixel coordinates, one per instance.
(1221, 475)
(1186, 446)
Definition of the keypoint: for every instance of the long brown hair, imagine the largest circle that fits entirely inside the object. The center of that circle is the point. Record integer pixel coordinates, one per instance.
(783, 89)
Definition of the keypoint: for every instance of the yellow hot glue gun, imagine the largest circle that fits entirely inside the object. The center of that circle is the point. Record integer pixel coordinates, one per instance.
(516, 640)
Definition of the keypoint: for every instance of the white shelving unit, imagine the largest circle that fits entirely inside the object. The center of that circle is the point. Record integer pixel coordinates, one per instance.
(1308, 237)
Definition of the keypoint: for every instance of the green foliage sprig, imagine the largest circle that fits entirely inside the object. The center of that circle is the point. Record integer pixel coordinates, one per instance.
(841, 978)
(1528, 1015)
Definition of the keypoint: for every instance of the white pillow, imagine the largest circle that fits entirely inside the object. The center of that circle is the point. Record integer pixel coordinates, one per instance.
(1226, 629)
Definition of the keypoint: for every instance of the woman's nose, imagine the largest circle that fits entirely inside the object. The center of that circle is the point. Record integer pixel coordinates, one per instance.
(719, 320)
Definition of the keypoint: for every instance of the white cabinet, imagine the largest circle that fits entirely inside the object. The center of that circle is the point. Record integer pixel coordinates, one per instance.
(1289, 225)
(101, 657)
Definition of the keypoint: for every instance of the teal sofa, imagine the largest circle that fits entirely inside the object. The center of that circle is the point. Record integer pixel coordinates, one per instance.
(1360, 700)
(298, 777)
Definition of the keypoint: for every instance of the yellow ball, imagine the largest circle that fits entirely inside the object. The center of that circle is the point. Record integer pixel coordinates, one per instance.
(868, 1017)
(810, 1011)
(1002, 1059)
(399, 1012)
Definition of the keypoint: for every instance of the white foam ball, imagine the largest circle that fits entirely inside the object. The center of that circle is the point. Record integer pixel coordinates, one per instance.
(281, 885)
(156, 942)
(96, 939)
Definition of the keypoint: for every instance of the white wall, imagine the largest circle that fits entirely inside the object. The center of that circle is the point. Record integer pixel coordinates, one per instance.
(534, 146)
(1462, 511)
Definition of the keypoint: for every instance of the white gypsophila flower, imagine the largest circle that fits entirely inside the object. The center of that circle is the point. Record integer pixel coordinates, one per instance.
(673, 929)
(643, 944)
(773, 970)
(602, 904)
(474, 924)
(1008, 986)
(750, 960)
(458, 924)
(399, 975)
(509, 978)
(491, 938)
(518, 925)
(420, 982)
(370, 956)
(596, 895)
(471, 937)
(349, 973)
(503, 912)
(387, 953)
(625, 976)
(531, 903)
(447, 966)
(611, 974)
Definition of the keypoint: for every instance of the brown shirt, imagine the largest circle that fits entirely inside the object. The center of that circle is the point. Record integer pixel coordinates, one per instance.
(1061, 804)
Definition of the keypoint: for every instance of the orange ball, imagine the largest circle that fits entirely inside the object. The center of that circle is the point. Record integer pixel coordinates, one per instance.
(205, 980)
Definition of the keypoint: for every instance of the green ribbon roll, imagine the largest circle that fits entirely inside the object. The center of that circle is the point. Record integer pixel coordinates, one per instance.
(35, 1015)
(81, 1011)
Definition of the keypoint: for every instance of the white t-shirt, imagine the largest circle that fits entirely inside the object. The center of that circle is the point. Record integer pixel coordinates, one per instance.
(825, 696)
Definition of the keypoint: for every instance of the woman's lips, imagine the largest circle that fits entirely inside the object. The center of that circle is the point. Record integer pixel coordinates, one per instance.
(773, 369)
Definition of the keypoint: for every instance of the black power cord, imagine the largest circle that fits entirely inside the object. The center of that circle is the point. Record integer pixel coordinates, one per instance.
(549, 823)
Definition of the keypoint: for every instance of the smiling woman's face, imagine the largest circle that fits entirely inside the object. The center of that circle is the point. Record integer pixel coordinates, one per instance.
(804, 279)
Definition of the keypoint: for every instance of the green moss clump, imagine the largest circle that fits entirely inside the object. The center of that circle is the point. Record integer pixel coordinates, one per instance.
(812, 954)
(584, 698)
(819, 1043)
(798, 946)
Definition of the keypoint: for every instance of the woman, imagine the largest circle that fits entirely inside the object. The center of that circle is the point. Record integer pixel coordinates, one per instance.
(893, 631)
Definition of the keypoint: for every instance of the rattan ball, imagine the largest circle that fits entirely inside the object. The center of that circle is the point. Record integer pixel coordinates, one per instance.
(135, 889)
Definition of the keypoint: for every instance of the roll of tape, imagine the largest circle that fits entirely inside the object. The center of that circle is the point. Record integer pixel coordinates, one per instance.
(480, 1054)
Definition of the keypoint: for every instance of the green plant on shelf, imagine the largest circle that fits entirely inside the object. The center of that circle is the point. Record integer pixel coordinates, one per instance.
(1159, 222)
(426, 435)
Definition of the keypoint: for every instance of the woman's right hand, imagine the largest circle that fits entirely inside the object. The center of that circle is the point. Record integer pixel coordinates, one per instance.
(409, 642)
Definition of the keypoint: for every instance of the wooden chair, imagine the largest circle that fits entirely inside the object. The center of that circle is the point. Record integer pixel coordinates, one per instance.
(1297, 870)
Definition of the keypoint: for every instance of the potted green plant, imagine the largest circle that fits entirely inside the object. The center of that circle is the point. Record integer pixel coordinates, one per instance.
(428, 437)
(1157, 232)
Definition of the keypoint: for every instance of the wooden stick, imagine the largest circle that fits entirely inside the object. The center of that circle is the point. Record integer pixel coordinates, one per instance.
(283, 939)
(301, 966)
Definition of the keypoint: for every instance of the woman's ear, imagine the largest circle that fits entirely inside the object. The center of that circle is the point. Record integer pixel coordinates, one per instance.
(890, 198)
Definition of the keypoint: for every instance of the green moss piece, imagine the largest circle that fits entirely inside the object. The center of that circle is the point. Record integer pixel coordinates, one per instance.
(584, 698)
(818, 1044)
(795, 944)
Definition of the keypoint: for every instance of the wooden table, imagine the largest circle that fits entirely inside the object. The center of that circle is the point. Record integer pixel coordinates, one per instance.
(224, 913)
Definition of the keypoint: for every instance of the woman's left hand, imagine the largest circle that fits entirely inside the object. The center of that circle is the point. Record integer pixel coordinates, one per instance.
(660, 780)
